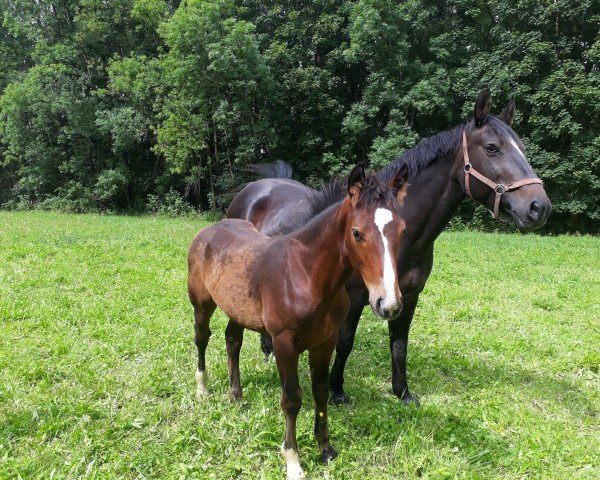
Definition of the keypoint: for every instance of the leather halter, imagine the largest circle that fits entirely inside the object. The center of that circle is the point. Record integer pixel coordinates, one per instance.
(499, 188)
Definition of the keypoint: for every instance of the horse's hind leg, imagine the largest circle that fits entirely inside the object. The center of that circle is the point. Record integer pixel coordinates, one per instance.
(202, 313)
(319, 370)
(266, 345)
(234, 336)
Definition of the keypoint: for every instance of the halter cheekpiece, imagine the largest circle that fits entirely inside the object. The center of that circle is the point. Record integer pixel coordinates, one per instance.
(499, 188)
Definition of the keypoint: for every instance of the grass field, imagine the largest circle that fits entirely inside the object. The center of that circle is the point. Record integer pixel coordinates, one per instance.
(97, 364)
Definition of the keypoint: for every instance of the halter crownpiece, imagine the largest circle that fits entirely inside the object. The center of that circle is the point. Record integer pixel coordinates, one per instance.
(499, 188)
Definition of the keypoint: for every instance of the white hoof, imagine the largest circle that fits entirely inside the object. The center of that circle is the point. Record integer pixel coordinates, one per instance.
(201, 390)
(292, 461)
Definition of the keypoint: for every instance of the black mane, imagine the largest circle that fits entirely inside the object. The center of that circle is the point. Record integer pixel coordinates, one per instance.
(330, 192)
(424, 154)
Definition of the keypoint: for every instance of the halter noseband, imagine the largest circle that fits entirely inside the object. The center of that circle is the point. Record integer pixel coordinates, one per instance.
(499, 188)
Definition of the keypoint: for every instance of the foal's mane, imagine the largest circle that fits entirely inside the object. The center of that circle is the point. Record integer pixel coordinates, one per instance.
(427, 152)
(324, 201)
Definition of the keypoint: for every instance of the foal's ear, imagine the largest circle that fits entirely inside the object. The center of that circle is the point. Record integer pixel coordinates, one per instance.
(400, 183)
(508, 114)
(355, 181)
(482, 107)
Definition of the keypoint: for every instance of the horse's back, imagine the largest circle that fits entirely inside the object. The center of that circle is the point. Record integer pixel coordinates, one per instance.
(271, 204)
(221, 262)
(225, 238)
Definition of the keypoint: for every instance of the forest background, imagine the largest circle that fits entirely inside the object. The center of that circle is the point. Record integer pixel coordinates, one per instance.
(153, 105)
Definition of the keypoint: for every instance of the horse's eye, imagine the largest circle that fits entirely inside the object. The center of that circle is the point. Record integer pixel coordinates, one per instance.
(357, 235)
(491, 148)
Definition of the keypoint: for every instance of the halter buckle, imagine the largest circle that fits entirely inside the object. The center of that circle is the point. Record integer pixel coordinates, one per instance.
(467, 167)
(500, 189)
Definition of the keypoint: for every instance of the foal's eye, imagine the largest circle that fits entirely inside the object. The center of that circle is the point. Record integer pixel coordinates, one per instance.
(357, 235)
(491, 148)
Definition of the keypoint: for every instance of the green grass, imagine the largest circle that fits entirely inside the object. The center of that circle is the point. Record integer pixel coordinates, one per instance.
(97, 364)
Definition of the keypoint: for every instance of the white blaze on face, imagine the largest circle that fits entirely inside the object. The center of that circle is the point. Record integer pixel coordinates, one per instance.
(292, 461)
(514, 144)
(382, 217)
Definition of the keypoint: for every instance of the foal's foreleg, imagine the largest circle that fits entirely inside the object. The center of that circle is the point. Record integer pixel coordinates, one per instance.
(234, 336)
(319, 370)
(286, 357)
(202, 313)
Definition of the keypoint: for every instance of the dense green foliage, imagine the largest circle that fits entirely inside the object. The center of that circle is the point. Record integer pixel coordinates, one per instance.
(107, 102)
(97, 364)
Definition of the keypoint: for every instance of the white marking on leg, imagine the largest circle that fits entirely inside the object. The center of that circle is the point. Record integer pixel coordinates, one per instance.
(292, 461)
(514, 144)
(201, 378)
(382, 217)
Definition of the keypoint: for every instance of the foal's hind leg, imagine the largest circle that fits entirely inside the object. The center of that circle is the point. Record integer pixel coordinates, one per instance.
(319, 370)
(234, 336)
(202, 313)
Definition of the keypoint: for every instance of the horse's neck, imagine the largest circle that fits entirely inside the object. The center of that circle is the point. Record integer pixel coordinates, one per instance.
(322, 251)
(433, 197)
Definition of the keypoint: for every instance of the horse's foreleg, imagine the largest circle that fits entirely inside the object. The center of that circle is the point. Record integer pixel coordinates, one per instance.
(319, 370)
(398, 329)
(344, 346)
(202, 313)
(234, 336)
(286, 357)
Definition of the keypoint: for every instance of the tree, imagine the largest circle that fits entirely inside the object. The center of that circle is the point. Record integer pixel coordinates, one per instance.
(214, 116)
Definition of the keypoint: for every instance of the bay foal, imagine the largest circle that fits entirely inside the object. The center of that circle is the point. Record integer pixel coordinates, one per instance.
(292, 286)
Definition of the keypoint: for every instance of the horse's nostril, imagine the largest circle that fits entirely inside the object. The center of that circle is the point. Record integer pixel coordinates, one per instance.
(534, 210)
(382, 311)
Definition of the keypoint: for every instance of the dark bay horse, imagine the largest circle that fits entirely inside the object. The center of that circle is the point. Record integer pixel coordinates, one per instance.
(292, 286)
(482, 158)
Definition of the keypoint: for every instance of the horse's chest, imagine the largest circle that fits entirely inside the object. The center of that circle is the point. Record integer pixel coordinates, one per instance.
(311, 319)
(413, 272)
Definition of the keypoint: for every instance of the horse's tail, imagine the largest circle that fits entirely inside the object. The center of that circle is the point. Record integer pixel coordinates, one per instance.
(277, 169)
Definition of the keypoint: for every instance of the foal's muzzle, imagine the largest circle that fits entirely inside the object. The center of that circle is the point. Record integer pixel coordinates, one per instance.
(387, 311)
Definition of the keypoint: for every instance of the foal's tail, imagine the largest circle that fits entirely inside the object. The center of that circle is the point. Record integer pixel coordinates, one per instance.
(277, 169)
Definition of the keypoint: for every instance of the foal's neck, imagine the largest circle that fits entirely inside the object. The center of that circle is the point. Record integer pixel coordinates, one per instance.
(322, 252)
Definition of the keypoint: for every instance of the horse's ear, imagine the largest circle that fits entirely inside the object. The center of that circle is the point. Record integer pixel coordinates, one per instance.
(508, 114)
(400, 183)
(482, 107)
(355, 181)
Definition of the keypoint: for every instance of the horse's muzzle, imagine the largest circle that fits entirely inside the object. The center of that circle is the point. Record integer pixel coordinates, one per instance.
(539, 212)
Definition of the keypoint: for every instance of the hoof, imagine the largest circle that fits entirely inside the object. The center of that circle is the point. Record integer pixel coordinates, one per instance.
(410, 401)
(201, 390)
(294, 470)
(235, 396)
(327, 455)
(339, 399)
(201, 393)
(298, 476)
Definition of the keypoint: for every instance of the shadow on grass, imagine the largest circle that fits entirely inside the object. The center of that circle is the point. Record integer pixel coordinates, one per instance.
(377, 417)
(457, 373)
